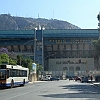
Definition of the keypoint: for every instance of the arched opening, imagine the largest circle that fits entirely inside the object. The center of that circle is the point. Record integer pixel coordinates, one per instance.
(77, 70)
(71, 71)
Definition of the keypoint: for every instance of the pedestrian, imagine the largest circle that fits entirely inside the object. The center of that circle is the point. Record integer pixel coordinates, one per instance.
(91, 78)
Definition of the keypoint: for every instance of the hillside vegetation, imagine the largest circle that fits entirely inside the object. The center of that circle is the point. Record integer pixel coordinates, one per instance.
(8, 22)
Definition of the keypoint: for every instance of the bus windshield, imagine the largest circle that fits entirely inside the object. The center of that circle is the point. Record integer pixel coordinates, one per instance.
(2, 74)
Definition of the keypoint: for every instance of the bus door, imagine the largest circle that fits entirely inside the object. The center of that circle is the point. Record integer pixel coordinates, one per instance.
(2, 77)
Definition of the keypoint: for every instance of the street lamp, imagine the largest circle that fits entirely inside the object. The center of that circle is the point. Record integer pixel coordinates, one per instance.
(35, 42)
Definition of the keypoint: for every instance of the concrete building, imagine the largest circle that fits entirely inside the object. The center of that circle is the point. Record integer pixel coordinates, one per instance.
(61, 52)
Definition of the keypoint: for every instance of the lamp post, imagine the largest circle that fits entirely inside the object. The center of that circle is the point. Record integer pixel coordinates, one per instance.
(35, 42)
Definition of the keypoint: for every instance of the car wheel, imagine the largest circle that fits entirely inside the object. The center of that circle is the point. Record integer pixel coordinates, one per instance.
(23, 82)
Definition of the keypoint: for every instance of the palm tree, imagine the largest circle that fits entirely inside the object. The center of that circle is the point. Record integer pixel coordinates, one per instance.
(38, 70)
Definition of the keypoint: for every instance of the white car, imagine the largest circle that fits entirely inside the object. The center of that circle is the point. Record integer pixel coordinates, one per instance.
(45, 78)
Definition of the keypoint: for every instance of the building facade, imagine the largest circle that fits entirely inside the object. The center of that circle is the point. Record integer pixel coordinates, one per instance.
(61, 52)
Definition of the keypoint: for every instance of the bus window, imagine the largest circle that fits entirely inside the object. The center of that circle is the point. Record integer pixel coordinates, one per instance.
(21, 73)
(24, 73)
(2, 74)
(7, 73)
(13, 73)
(18, 73)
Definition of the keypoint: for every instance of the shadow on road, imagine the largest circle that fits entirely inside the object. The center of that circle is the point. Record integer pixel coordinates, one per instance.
(77, 91)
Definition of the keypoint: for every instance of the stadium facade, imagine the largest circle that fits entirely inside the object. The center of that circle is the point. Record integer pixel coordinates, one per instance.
(62, 52)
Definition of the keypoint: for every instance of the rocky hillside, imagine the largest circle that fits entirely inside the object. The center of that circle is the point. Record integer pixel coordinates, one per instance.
(8, 22)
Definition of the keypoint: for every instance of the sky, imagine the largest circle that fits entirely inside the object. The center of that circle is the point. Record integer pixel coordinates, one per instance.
(82, 13)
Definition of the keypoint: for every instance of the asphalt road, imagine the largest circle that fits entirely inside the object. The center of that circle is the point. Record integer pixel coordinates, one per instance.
(52, 90)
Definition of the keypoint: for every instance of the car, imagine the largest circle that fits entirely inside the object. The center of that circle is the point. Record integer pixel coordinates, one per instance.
(54, 78)
(77, 78)
(45, 78)
(71, 78)
(97, 78)
(84, 79)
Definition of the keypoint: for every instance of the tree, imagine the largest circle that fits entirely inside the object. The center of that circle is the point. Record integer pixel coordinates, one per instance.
(29, 63)
(7, 57)
(25, 62)
(4, 58)
(19, 59)
(98, 17)
(96, 45)
(3, 50)
(38, 69)
(13, 59)
(12, 62)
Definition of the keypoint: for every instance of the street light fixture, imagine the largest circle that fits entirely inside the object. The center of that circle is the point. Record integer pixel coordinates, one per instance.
(35, 42)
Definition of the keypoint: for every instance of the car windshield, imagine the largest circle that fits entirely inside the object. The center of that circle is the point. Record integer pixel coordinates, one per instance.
(2, 74)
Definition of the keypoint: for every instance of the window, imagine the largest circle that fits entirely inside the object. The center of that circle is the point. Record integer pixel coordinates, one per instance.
(77, 68)
(58, 62)
(13, 73)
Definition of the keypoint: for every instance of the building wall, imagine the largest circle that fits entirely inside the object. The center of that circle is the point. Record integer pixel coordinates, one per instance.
(57, 45)
(71, 66)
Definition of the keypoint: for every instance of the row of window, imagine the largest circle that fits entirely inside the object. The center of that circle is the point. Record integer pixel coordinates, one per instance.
(71, 62)
(17, 73)
(17, 48)
(72, 68)
(65, 40)
(70, 54)
(69, 47)
(30, 48)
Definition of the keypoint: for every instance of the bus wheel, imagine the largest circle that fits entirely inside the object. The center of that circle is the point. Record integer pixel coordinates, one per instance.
(12, 84)
(23, 82)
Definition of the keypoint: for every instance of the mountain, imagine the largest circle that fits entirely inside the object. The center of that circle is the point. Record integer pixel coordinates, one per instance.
(8, 22)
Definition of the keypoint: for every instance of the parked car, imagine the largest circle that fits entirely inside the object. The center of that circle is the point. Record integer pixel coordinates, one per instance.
(54, 78)
(77, 78)
(84, 79)
(45, 78)
(71, 78)
(97, 78)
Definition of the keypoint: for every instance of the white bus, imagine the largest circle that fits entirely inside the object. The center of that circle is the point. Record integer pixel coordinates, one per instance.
(13, 75)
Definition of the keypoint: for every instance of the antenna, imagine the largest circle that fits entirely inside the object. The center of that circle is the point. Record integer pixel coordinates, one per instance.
(38, 15)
